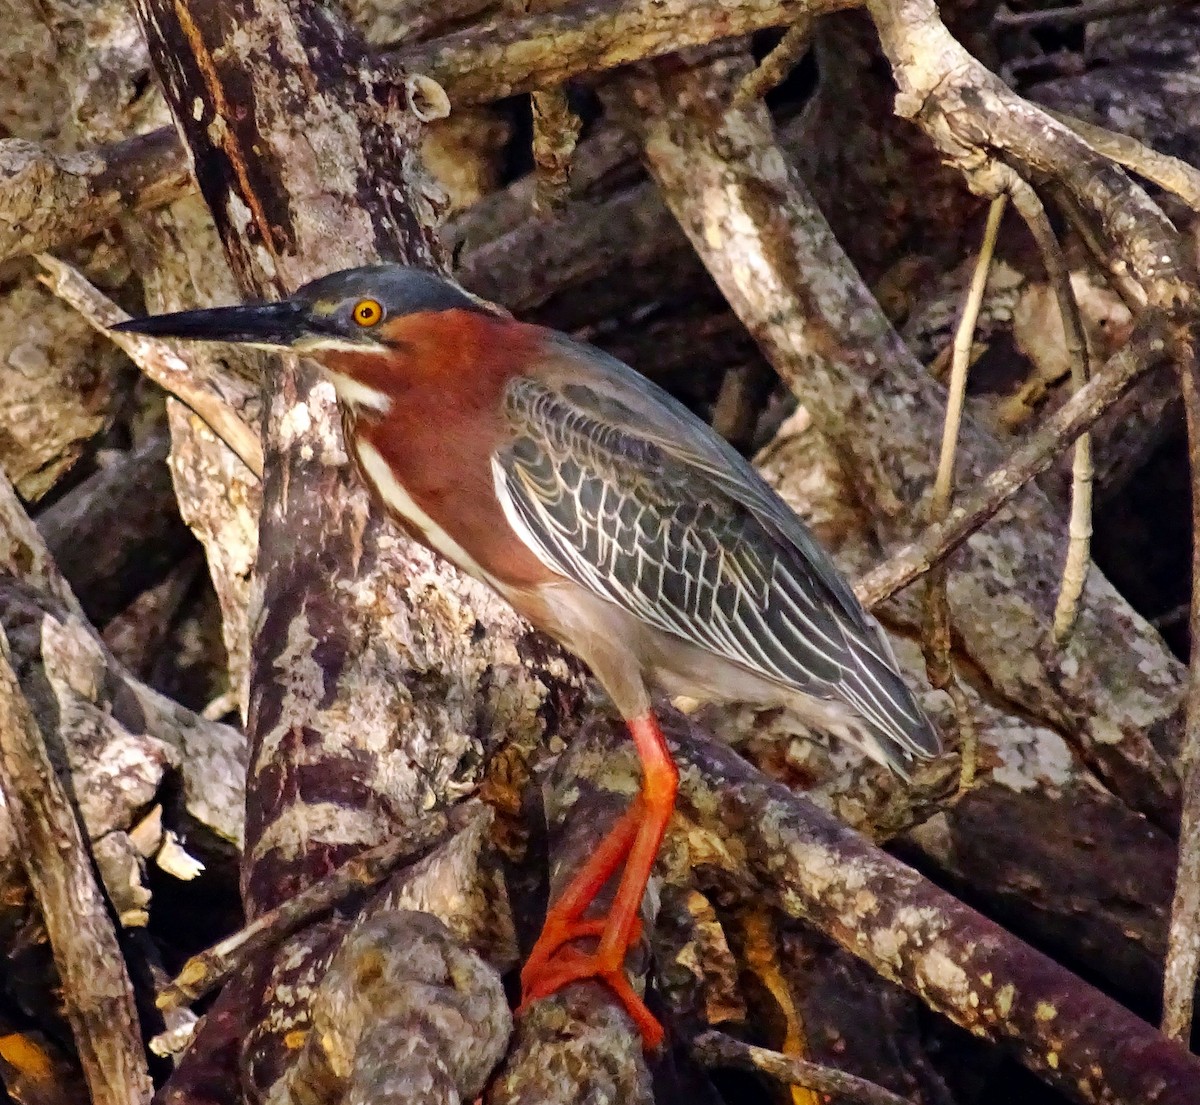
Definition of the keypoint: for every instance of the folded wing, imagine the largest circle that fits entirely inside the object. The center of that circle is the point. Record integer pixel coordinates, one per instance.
(616, 486)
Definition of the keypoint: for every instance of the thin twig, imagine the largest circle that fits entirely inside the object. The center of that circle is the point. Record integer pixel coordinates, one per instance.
(1146, 349)
(960, 361)
(96, 989)
(1169, 173)
(1075, 13)
(937, 604)
(158, 360)
(715, 1049)
(1183, 942)
(775, 67)
(1079, 529)
(203, 973)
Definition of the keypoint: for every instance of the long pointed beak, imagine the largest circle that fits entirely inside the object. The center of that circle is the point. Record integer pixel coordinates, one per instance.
(276, 325)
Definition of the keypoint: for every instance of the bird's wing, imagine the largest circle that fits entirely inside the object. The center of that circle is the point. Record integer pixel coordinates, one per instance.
(618, 487)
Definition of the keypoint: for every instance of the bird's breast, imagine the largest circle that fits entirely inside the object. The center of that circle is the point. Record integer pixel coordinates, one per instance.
(433, 475)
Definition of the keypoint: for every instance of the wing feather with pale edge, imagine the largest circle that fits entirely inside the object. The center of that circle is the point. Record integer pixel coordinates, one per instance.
(617, 486)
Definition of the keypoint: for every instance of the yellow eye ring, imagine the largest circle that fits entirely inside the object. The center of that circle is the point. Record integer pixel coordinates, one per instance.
(367, 312)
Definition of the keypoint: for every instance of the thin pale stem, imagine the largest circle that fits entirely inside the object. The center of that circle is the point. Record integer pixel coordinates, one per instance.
(1079, 529)
(1183, 941)
(937, 637)
(1146, 349)
(960, 361)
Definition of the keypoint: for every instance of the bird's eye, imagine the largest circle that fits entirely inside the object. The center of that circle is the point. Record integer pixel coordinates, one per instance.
(367, 312)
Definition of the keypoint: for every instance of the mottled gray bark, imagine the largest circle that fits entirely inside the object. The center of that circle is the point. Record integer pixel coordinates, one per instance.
(96, 988)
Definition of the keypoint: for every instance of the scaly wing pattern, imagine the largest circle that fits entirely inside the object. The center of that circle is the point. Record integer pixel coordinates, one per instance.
(621, 489)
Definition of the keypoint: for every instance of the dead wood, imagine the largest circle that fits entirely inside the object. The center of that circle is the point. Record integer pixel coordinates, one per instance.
(117, 735)
(548, 48)
(812, 867)
(574, 1046)
(96, 989)
(719, 1050)
(1183, 950)
(48, 200)
(118, 533)
(447, 692)
(403, 1014)
(368, 740)
(60, 388)
(174, 372)
(969, 114)
(1149, 348)
(203, 973)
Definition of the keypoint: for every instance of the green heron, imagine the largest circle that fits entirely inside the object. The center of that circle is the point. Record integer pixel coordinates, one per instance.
(610, 517)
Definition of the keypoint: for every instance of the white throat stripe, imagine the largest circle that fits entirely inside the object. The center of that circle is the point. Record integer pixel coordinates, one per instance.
(354, 394)
(379, 473)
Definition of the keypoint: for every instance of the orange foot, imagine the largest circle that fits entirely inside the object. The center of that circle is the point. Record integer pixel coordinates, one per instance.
(571, 965)
(633, 841)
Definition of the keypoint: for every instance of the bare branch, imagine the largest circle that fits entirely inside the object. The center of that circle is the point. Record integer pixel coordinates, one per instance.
(959, 963)
(592, 36)
(1079, 531)
(403, 1016)
(774, 68)
(971, 116)
(48, 199)
(937, 607)
(555, 133)
(171, 370)
(1076, 13)
(1183, 947)
(774, 257)
(204, 972)
(96, 988)
(715, 1049)
(1169, 173)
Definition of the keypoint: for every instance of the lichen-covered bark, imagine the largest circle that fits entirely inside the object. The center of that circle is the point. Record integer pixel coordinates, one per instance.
(542, 50)
(57, 389)
(403, 1014)
(48, 199)
(971, 116)
(813, 868)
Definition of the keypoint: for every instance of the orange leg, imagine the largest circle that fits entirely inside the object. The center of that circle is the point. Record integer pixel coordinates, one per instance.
(634, 839)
